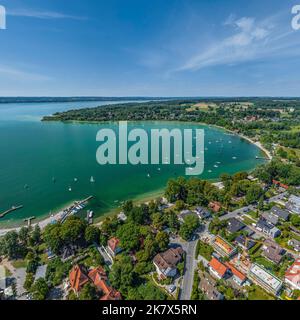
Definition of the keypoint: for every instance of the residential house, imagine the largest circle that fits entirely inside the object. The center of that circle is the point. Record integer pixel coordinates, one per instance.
(295, 244)
(203, 213)
(272, 251)
(79, 277)
(280, 213)
(218, 269)
(166, 262)
(270, 218)
(292, 275)
(265, 279)
(280, 185)
(122, 216)
(268, 228)
(68, 252)
(238, 277)
(113, 246)
(215, 206)
(223, 247)
(245, 245)
(293, 205)
(208, 287)
(234, 225)
(99, 278)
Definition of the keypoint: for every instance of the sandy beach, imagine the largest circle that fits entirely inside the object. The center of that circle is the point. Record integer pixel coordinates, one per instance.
(42, 224)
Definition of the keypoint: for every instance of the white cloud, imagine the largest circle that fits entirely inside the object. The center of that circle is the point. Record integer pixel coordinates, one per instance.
(249, 40)
(17, 74)
(41, 14)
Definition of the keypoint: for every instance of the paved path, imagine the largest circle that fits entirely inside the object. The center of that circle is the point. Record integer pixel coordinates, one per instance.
(190, 267)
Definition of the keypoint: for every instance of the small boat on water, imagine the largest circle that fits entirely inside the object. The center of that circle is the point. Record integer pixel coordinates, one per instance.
(70, 189)
(91, 213)
(75, 179)
(210, 171)
(148, 175)
(234, 158)
(92, 180)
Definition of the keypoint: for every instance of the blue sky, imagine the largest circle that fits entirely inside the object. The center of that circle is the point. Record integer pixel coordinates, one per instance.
(149, 48)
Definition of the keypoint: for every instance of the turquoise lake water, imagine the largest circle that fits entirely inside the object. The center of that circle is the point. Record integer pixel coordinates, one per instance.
(32, 153)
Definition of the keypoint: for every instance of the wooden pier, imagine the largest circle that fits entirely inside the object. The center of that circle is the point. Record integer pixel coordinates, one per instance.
(12, 209)
(28, 220)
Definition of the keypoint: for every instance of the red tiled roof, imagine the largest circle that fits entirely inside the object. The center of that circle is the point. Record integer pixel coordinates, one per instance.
(236, 272)
(223, 244)
(100, 280)
(215, 206)
(219, 267)
(113, 243)
(280, 184)
(112, 295)
(293, 272)
(78, 278)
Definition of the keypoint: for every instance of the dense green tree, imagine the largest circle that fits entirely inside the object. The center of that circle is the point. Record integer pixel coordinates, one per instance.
(92, 234)
(52, 237)
(36, 235)
(24, 235)
(12, 247)
(40, 289)
(110, 225)
(29, 280)
(254, 193)
(122, 275)
(57, 271)
(88, 292)
(179, 205)
(162, 240)
(129, 235)
(176, 190)
(127, 207)
(295, 220)
(191, 223)
(146, 292)
(72, 229)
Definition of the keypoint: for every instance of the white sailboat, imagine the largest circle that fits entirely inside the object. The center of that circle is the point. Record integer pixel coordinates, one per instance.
(92, 180)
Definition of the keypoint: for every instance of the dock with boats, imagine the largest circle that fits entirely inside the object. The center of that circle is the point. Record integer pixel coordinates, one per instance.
(74, 208)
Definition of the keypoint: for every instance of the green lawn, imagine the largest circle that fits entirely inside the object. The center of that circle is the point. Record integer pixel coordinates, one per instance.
(19, 264)
(265, 263)
(259, 294)
(248, 221)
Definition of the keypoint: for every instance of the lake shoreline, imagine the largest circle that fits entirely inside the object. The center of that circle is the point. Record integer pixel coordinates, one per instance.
(44, 220)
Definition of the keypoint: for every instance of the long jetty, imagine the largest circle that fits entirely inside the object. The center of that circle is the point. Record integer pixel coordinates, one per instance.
(12, 209)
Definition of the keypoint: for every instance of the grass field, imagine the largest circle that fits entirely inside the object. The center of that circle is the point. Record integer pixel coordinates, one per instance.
(259, 294)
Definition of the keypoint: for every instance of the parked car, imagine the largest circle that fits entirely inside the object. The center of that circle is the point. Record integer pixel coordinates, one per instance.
(172, 288)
